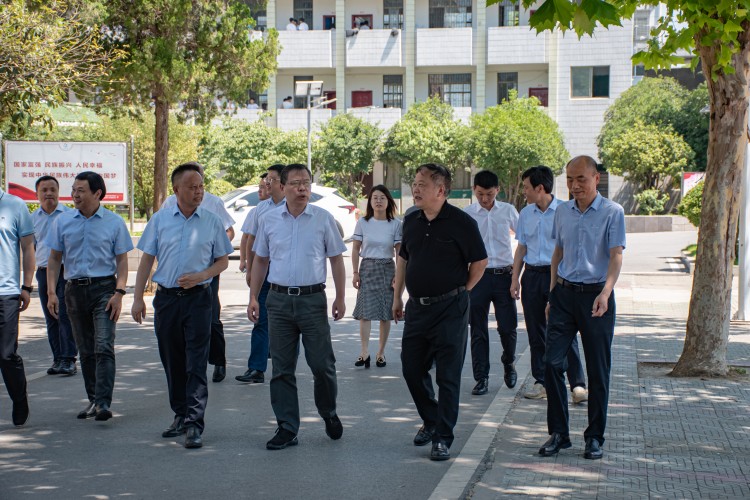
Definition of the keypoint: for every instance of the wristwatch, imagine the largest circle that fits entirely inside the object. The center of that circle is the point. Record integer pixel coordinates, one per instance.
(27, 288)
(120, 291)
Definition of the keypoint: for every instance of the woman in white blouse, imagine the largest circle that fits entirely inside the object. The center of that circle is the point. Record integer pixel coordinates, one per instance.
(376, 237)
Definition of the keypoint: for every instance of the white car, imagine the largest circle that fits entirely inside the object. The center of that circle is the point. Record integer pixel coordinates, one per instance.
(242, 200)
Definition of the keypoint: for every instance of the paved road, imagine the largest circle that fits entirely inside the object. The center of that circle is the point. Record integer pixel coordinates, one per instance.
(58, 456)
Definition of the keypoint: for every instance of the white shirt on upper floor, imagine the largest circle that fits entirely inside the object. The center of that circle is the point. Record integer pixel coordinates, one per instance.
(495, 226)
(303, 26)
(291, 27)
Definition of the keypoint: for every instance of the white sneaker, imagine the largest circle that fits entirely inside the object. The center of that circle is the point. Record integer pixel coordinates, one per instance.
(537, 391)
(580, 394)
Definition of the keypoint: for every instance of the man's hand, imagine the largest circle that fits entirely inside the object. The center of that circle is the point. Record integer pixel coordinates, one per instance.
(190, 280)
(53, 305)
(338, 309)
(25, 300)
(397, 309)
(515, 289)
(243, 266)
(138, 311)
(600, 305)
(355, 280)
(253, 310)
(114, 306)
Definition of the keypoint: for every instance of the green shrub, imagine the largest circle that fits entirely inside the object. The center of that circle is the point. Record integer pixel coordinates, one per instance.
(651, 201)
(690, 206)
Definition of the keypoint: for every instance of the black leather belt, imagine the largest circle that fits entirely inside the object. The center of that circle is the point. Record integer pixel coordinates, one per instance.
(298, 290)
(539, 269)
(581, 287)
(89, 281)
(182, 292)
(499, 270)
(40, 268)
(426, 301)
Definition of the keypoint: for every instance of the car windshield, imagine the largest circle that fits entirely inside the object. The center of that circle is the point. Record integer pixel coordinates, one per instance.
(232, 194)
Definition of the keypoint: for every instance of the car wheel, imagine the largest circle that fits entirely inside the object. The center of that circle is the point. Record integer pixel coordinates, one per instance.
(341, 229)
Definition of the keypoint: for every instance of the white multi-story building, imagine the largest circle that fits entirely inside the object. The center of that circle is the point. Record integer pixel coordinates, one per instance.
(469, 54)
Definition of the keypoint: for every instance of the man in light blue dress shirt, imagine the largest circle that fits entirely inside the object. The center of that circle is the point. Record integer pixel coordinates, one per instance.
(59, 332)
(300, 237)
(534, 254)
(589, 233)
(93, 244)
(16, 243)
(257, 362)
(191, 247)
(215, 205)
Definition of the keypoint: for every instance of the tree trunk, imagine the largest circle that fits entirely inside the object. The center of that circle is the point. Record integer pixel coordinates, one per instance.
(705, 350)
(161, 138)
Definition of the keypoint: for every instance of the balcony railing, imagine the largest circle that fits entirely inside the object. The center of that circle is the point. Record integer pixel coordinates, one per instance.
(516, 45)
(445, 47)
(307, 49)
(374, 48)
(384, 118)
(296, 119)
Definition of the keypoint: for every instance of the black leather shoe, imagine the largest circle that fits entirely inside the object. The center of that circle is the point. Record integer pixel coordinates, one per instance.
(593, 450)
(251, 376)
(511, 377)
(68, 368)
(220, 373)
(193, 437)
(424, 435)
(554, 444)
(103, 412)
(440, 451)
(88, 412)
(481, 387)
(54, 369)
(334, 429)
(282, 439)
(177, 428)
(20, 412)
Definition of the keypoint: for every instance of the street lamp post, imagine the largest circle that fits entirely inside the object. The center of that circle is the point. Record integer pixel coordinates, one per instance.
(309, 89)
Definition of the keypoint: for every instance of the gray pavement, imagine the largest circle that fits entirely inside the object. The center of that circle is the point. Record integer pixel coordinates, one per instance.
(664, 435)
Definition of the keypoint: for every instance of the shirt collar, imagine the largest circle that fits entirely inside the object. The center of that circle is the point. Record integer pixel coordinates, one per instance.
(59, 208)
(198, 211)
(552, 205)
(307, 209)
(442, 214)
(478, 208)
(99, 213)
(595, 205)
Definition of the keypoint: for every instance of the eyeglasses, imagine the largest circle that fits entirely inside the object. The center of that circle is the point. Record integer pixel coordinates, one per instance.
(270, 180)
(295, 184)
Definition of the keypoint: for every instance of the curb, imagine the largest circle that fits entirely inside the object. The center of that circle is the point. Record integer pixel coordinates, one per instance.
(688, 261)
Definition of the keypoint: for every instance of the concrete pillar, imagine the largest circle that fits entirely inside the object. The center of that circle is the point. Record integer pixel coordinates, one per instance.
(409, 39)
(341, 27)
(480, 56)
(272, 91)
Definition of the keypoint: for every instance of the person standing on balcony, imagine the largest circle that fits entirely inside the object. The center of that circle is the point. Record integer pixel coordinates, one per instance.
(364, 25)
(589, 233)
(376, 236)
(215, 205)
(252, 104)
(292, 26)
(287, 103)
(496, 220)
(302, 25)
(59, 332)
(534, 254)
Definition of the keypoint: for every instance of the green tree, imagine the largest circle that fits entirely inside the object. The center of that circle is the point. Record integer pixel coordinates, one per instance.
(718, 33)
(45, 50)
(692, 125)
(186, 52)
(346, 149)
(243, 150)
(690, 206)
(427, 133)
(513, 136)
(651, 156)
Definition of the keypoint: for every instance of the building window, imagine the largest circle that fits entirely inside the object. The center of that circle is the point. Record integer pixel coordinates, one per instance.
(452, 89)
(303, 9)
(450, 13)
(641, 26)
(505, 83)
(393, 14)
(509, 13)
(301, 102)
(589, 81)
(393, 91)
(260, 99)
(258, 12)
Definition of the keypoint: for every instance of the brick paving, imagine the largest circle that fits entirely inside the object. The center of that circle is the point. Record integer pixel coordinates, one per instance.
(665, 438)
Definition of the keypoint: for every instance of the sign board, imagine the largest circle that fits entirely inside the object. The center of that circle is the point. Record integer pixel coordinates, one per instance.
(690, 179)
(26, 161)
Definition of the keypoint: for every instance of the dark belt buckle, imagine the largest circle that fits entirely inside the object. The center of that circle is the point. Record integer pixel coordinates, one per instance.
(181, 292)
(498, 270)
(83, 281)
(294, 290)
(424, 301)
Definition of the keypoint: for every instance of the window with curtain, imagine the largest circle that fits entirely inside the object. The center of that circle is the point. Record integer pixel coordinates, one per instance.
(454, 89)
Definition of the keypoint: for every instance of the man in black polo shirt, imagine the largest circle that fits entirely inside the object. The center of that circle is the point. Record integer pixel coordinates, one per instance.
(442, 257)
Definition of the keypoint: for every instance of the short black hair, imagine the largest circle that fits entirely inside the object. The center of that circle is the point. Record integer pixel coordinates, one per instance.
(264, 175)
(186, 167)
(486, 180)
(302, 19)
(291, 19)
(45, 178)
(96, 183)
(276, 167)
(439, 175)
(293, 167)
(540, 175)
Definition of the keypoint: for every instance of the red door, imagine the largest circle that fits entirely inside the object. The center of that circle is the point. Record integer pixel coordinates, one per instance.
(330, 94)
(361, 98)
(541, 93)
